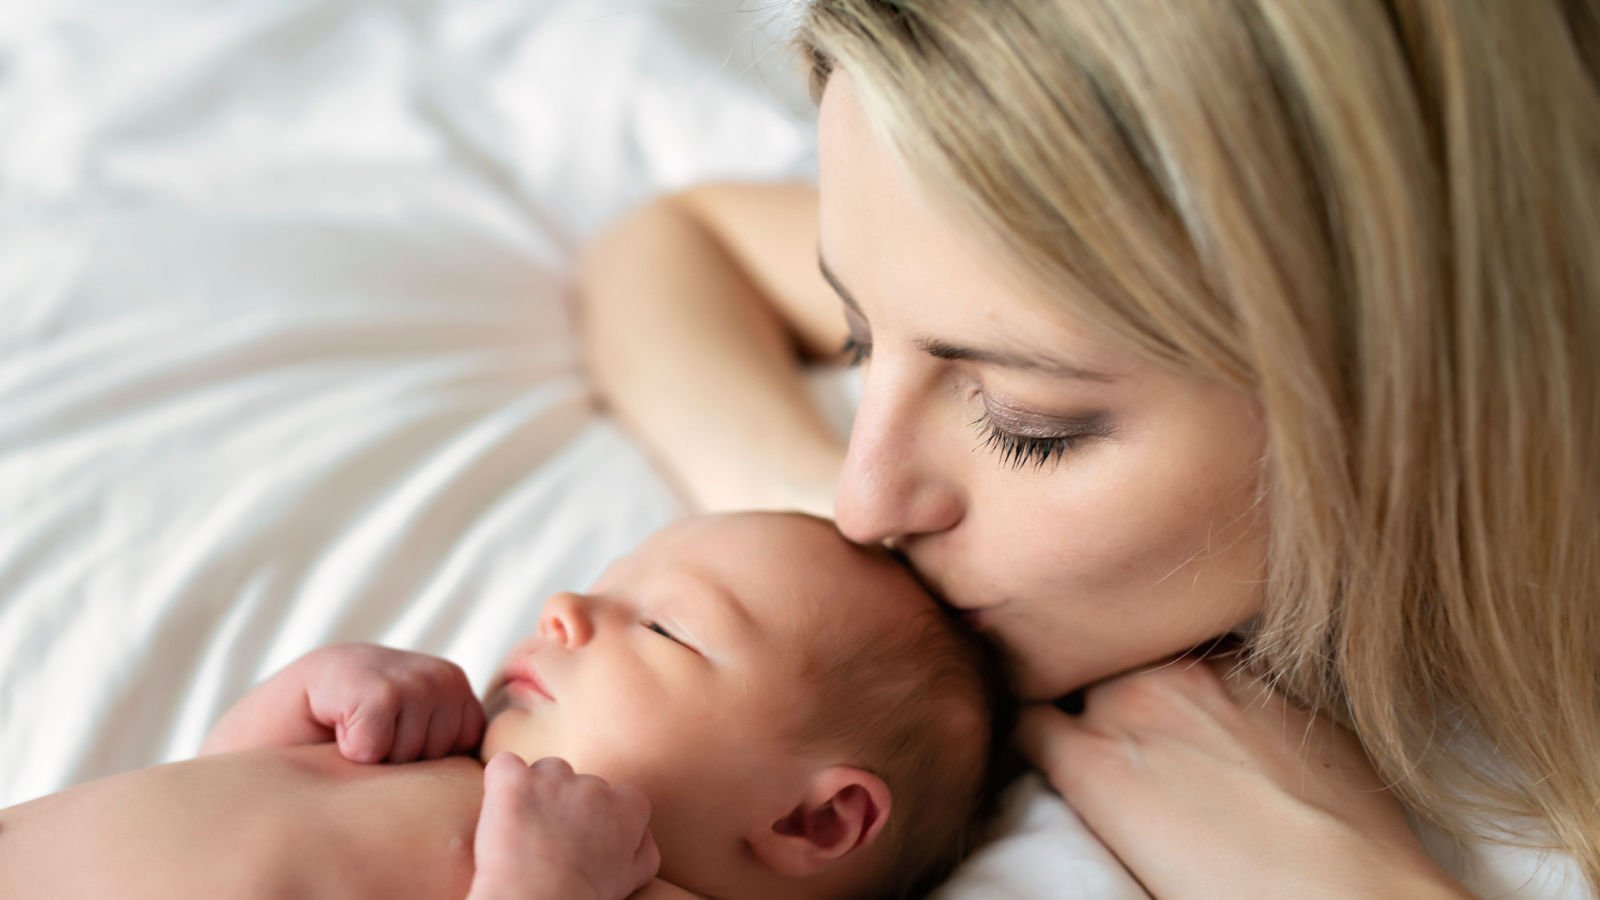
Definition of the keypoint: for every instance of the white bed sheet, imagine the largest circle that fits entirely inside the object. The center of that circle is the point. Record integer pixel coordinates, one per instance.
(285, 358)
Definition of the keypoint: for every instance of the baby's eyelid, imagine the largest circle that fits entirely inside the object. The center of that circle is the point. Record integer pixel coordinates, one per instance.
(658, 629)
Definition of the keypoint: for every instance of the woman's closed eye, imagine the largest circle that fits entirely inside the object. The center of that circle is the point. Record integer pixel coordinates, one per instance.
(1017, 447)
(1017, 440)
(1018, 450)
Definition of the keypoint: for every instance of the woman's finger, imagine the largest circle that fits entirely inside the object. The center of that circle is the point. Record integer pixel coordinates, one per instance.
(1076, 760)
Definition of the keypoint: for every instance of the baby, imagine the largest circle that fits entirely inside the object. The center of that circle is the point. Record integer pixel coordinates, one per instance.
(800, 716)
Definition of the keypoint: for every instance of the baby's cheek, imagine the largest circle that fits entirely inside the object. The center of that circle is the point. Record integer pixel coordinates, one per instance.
(646, 734)
(506, 731)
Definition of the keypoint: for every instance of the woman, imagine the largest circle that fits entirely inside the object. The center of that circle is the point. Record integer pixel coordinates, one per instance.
(1179, 321)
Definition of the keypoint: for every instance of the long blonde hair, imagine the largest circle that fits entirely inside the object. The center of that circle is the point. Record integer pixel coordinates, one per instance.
(1383, 220)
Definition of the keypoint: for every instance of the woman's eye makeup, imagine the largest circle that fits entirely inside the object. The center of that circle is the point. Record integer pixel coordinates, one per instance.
(1036, 445)
(1019, 439)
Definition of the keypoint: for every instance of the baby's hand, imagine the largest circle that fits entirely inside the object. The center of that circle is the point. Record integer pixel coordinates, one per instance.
(386, 704)
(547, 832)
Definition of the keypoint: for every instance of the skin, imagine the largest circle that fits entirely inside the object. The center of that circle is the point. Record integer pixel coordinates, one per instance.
(666, 696)
(679, 673)
(1140, 540)
(1139, 543)
(281, 821)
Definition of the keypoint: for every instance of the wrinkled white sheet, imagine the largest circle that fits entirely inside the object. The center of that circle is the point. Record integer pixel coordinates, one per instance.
(284, 357)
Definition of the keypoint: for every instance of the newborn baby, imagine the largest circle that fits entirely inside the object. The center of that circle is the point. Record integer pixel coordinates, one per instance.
(802, 718)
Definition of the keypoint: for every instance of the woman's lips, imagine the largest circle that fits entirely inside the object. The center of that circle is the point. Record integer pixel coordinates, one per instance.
(522, 680)
(977, 618)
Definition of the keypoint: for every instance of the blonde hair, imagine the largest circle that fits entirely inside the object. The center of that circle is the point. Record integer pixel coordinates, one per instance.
(1383, 220)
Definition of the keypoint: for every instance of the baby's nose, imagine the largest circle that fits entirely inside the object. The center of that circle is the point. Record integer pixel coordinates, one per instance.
(566, 620)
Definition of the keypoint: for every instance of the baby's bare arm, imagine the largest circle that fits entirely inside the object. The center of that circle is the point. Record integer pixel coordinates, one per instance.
(377, 703)
(273, 714)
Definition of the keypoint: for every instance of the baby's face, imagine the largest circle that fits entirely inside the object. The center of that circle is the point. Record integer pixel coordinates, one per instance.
(680, 671)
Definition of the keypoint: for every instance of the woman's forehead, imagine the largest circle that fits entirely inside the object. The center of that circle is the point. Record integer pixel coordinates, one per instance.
(913, 265)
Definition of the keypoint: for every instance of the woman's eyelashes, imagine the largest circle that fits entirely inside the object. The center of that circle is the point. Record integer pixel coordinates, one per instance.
(1017, 449)
(1017, 444)
(857, 347)
(855, 350)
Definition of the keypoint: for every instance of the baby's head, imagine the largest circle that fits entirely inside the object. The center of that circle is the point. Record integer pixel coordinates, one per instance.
(804, 718)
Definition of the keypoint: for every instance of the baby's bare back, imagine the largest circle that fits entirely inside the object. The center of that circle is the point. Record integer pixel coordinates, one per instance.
(288, 822)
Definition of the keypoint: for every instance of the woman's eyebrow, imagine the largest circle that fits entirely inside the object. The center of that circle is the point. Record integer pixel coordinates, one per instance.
(1011, 359)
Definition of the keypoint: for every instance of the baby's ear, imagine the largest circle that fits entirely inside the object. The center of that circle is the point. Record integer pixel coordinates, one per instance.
(842, 811)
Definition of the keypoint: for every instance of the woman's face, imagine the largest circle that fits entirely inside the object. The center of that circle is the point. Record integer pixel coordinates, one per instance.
(1090, 511)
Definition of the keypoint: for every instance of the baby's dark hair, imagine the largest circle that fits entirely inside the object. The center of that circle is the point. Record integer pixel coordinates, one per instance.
(927, 708)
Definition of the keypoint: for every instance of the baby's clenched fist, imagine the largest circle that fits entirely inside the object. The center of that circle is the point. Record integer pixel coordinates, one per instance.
(547, 832)
(391, 705)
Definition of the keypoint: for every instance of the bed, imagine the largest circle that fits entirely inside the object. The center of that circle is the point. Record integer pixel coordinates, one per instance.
(286, 356)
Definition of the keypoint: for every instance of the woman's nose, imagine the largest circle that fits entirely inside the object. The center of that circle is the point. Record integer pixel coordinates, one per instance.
(567, 620)
(892, 485)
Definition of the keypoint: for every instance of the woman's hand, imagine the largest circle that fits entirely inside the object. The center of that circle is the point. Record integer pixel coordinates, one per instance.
(1207, 785)
(546, 832)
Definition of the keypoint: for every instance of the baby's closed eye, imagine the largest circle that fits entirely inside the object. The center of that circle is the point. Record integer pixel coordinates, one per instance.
(656, 627)
(671, 634)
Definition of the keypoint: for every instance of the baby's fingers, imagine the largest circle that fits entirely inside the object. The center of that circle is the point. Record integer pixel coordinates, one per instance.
(551, 766)
(410, 733)
(646, 861)
(472, 724)
(630, 806)
(366, 734)
(444, 726)
(503, 777)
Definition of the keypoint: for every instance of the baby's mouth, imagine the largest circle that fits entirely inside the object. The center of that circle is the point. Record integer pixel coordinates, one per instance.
(523, 681)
